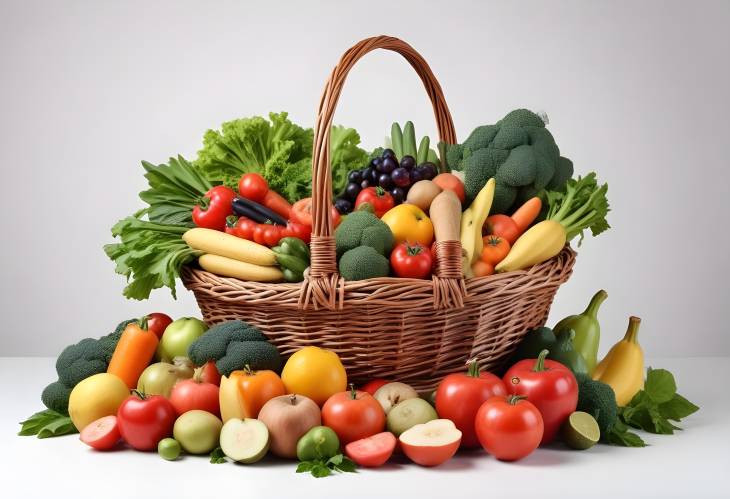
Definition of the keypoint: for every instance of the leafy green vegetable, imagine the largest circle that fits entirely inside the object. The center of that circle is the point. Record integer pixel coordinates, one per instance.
(217, 456)
(319, 468)
(582, 205)
(277, 149)
(47, 424)
(174, 190)
(620, 435)
(150, 254)
(655, 407)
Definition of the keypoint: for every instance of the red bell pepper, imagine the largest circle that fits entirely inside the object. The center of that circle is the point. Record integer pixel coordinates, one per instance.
(213, 209)
(549, 385)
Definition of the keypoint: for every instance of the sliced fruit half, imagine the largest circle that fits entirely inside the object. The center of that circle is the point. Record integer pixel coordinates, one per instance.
(432, 443)
(244, 440)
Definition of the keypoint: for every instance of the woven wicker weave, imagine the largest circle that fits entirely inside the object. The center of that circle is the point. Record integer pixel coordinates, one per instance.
(412, 330)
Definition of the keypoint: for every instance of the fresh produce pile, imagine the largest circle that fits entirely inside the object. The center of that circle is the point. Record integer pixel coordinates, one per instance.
(179, 387)
(242, 208)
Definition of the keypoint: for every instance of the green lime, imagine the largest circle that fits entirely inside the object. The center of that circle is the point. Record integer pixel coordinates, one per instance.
(320, 442)
(580, 431)
(169, 449)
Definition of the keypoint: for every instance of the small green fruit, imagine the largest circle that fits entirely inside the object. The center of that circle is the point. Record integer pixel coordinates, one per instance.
(168, 449)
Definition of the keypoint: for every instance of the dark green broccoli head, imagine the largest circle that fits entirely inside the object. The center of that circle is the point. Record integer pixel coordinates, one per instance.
(519, 152)
(363, 262)
(599, 400)
(55, 396)
(234, 345)
(362, 228)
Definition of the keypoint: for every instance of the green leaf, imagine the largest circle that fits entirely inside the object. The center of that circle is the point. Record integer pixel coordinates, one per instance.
(336, 459)
(217, 456)
(47, 424)
(346, 466)
(677, 408)
(660, 386)
(58, 427)
(620, 435)
(305, 466)
(319, 470)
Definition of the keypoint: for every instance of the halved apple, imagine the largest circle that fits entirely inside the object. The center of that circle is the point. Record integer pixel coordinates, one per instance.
(244, 440)
(432, 443)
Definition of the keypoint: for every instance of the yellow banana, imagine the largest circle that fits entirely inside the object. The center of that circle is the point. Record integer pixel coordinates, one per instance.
(472, 221)
(623, 367)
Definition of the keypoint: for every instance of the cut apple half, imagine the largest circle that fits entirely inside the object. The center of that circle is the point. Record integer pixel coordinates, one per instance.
(244, 440)
(432, 443)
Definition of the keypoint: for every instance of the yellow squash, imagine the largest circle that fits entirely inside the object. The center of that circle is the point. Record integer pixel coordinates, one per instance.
(219, 243)
(623, 367)
(229, 267)
(541, 242)
(472, 221)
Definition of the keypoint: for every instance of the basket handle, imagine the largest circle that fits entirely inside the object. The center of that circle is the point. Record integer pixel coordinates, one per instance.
(323, 265)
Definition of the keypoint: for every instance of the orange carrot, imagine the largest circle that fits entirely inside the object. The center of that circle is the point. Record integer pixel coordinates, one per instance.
(527, 213)
(276, 203)
(133, 353)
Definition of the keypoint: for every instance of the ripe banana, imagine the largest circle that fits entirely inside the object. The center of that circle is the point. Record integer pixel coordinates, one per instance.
(472, 221)
(623, 367)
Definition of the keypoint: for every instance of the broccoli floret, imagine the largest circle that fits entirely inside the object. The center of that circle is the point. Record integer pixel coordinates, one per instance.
(518, 151)
(79, 361)
(363, 262)
(362, 228)
(55, 396)
(234, 345)
(257, 355)
(599, 400)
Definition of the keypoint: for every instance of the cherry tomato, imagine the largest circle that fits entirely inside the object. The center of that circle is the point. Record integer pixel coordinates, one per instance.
(253, 186)
(272, 234)
(298, 230)
(209, 373)
(411, 260)
(482, 269)
(245, 227)
(214, 208)
(373, 451)
(549, 385)
(379, 198)
(372, 386)
(258, 233)
(157, 322)
(502, 226)
(495, 249)
(509, 428)
(190, 394)
(353, 415)
(102, 434)
(459, 396)
(145, 420)
(302, 213)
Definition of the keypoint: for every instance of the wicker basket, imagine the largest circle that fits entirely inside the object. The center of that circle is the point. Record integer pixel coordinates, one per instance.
(412, 330)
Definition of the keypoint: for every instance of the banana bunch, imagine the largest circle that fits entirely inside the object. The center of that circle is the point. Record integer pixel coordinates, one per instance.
(623, 367)
(472, 221)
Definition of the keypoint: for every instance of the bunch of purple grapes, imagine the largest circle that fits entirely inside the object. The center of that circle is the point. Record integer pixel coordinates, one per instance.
(384, 171)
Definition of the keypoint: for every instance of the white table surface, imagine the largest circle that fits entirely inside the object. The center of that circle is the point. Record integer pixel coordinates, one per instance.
(692, 463)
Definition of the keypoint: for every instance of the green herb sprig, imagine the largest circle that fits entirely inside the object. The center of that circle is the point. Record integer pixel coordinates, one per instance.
(320, 467)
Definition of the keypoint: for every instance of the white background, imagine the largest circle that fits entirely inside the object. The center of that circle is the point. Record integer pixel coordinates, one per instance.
(635, 90)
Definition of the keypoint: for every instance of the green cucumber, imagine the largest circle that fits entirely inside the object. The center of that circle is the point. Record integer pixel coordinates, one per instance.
(291, 262)
(294, 246)
(291, 276)
(396, 139)
(423, 149)
(409, 141)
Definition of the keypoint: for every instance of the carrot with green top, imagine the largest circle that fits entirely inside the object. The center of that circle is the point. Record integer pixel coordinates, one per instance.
(527, 213)
(133, 353)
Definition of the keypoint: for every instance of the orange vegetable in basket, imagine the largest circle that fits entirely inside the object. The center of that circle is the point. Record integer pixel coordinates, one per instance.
(133, 353)
(244, 393)
(482, 269)
(527, 213)
(494, 250)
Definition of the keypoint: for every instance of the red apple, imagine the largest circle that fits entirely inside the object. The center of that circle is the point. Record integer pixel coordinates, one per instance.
(288, 418)
(191, 394)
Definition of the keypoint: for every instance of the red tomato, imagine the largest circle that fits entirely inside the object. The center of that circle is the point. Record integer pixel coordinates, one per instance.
(372, 386)
(379, 198)
(459, 396)
(258, 233)
(209, 373)
(157, 322)
(253, 186)
(411, 260)
(301, 213)
(549, 385)
(372, 452)
(502, 226)
(214, 208)
(509, 428)
(191, 394)
(272, 234)
(353, 415)
(102, 434)
(145, 420)
(300, 231)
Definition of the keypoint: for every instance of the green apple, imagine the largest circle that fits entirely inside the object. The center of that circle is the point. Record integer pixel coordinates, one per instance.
(197, 431)
(178, 336)
(408, 414)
